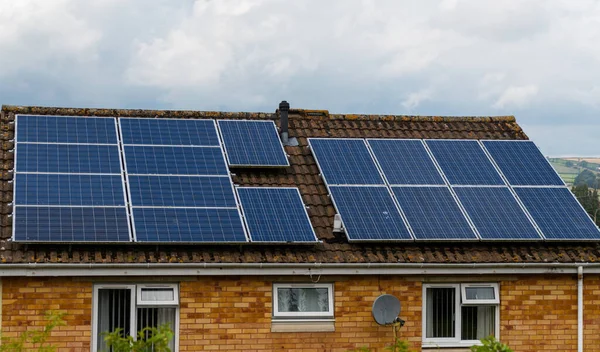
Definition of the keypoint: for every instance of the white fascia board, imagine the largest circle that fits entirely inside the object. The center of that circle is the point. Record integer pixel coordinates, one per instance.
(296, 269)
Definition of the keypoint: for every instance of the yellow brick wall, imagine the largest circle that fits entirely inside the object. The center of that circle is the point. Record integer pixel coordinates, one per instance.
(539, 314)
(25, 300)
(234, 313)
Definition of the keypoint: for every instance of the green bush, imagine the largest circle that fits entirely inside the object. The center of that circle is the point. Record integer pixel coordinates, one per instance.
(490, 344)
(149, 339)
(36, 338)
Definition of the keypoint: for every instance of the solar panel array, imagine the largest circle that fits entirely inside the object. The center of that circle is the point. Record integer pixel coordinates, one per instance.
(145, 180)
(252, 144)
(180, 190)
(448, 190)
(68, 179)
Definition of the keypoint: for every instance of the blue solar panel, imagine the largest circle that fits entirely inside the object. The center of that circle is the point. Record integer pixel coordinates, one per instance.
(68, 158)
(464, 162)
(405, 162)
(275, 215)
(496, 214)
(181, 191)
(71, 224)
(369, 213)
(252, 143)
(64, 189)
(345, 161)
(558, 214)
(188, 225)
(522, 163)
(169, 132)
(433, 214)
(65, 129)
(175, 160)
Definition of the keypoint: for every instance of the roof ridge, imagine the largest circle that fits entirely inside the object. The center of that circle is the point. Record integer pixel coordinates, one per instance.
(16, 109)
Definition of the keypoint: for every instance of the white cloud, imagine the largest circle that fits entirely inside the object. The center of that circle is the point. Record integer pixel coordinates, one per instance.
(415, 99)
(516, 96)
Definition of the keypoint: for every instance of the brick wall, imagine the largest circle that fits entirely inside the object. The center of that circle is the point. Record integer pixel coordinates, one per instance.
(25, 300)
(234, 313)
(539, 314)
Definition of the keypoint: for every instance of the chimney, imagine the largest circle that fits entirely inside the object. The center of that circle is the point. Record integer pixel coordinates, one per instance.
(284, 107)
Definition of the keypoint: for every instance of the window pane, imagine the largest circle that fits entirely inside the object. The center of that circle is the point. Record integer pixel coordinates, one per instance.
(480, 292)
(157, 294)
(307, 299)
(478, 322)
(154, 318)
(440, 312)
(113, 313)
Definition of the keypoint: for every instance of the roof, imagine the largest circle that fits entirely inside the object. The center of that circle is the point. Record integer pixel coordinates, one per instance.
(303, 173)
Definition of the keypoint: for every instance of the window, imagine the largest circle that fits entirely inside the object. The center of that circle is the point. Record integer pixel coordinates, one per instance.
(132, 308)
(455, 314)
(303, 301)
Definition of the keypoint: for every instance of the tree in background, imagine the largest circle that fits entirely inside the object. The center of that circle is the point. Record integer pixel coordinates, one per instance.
(587, 177)
(588, 197)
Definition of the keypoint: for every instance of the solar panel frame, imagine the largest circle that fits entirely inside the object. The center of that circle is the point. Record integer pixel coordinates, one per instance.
(557, 179)
(547, 236)
(425, 149)
(500, 179)
(518, 202)
(121, 174)
(305, 212)
(227, 153)
(17, 117)
(394, 202)
(217, 142)
(372, 158)
(465, 217)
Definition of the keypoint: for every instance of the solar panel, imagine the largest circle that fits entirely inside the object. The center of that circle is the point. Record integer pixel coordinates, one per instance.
(252, 143)
(67, 158)
(188, 225)
(496, 214)
(345, 161)
(153, 160)
(433, 214)
(522, 163)
(169, 132)
(70, 224)
(405, 162)
(464, 162)
(66, 129)
(275, 215)
(558, 213)
(69, 189)
(181, 191)
(369, 213)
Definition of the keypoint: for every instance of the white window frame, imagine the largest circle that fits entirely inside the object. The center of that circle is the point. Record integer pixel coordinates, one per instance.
(458, 295)
(466, 301)
(142, 303)
(315, 315)
(134, 290)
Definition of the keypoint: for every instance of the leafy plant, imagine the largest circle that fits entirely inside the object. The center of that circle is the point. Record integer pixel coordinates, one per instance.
(149, 339)
(37, 337)
(490, 344)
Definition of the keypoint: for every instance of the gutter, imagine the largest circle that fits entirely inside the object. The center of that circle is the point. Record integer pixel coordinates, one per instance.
(266, 269)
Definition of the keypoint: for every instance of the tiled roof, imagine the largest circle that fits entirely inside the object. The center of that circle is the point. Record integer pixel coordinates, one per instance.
(304, 174)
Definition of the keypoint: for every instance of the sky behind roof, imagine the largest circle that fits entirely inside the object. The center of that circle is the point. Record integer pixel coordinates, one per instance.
(535, 59)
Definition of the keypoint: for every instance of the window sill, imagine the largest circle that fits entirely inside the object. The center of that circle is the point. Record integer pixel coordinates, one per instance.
(450, 346)
(303, 325)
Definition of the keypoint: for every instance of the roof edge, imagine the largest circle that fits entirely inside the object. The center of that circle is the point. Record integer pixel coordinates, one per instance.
(317, 114)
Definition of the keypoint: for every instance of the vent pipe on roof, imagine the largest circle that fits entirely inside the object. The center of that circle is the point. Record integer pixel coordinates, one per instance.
(284, 107)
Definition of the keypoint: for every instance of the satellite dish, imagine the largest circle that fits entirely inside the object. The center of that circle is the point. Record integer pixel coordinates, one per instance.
(386, 309)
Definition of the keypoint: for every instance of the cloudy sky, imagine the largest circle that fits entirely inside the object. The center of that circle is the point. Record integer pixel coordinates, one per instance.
(536, 59)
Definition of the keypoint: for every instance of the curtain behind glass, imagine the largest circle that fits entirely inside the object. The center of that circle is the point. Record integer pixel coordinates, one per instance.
(478, 322)
(306, 299)
(440, 308)
(155, 317)
(113, 312)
